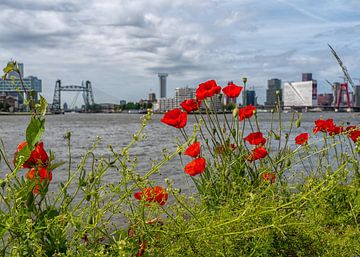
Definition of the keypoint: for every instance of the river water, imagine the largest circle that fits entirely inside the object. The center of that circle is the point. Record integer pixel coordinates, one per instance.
(117, 130)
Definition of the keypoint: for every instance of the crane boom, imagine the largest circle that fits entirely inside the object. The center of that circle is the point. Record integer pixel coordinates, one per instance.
(343, 67)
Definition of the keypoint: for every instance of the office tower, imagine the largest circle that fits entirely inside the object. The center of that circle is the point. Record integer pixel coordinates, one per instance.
(274, 86)
(162, 79)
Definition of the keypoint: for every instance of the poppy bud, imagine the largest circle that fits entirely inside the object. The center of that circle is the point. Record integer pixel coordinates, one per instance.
(235, 112)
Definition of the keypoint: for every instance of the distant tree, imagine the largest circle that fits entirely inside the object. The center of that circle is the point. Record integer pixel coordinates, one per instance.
(130, 106)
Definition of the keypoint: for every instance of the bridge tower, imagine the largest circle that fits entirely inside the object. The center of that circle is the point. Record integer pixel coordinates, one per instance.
(85, 88)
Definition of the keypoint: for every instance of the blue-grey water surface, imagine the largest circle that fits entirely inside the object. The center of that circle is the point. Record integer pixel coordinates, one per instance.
(117, 130)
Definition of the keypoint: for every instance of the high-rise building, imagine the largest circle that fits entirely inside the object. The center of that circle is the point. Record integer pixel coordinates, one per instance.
(274, 87)
(152, 98)
(184, 93)
(307, 77)
(162, 80)
(14, 88)
(251, 97)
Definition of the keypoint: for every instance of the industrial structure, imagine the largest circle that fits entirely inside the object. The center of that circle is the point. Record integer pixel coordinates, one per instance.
(85, 88)
(343, 88)
(162, 80)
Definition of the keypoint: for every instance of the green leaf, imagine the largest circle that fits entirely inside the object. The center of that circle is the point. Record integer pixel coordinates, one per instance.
(34, 131)
(9, 68)
(55, 165)
(298, 121)
(41, 106)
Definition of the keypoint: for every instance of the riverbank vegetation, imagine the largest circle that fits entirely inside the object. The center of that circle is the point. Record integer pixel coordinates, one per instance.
(281, 192)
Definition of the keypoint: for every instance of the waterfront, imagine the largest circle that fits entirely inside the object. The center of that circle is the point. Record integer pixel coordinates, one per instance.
(117, 130)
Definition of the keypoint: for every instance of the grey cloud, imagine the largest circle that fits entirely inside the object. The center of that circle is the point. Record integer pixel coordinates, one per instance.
(66, 6)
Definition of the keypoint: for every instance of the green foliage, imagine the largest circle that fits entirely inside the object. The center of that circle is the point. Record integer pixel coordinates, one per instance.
(11, 66)
(41, 107)
(35, 130)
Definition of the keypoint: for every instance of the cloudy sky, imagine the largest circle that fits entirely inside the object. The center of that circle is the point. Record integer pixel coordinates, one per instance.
(121, 45)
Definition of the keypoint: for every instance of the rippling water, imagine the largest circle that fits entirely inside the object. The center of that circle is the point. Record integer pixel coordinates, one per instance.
(117, 130)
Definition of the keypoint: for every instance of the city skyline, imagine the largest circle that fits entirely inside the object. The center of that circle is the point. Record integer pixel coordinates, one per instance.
(120, 47)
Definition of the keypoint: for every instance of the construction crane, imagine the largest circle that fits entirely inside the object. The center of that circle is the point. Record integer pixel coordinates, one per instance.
(343, 86)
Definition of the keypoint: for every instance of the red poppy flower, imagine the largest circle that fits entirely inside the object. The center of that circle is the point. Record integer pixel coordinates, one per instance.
(41, 175)
(335, 130)
(175, 118)
(191, 105)
(324, 125)
(302, 138)
(257, 153)
(351, 128)
(153, 194)
(255, 138)
(232, 90)
(42, 172)
(354, 135)
(269, 177)
(246, 112)
(195, 167)
(193, 150)
(353, 132)
(38, 156)
(207, 89)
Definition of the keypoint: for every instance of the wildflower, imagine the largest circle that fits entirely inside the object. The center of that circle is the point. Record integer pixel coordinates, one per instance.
(38, 156)
(232, 90)
(323, 125)
(255, 138)
(335, 130)
(193, 150)
(191, 105)
(207, 89)
(175, 118)
(351, 128)
(302, 138)
(246, 112)
(195, 167)
(354, 135)
(153, 194)
(257, 153)
(42, 176)
(269, 177)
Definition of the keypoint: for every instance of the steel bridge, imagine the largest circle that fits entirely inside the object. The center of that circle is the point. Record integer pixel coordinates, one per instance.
(85, 88)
